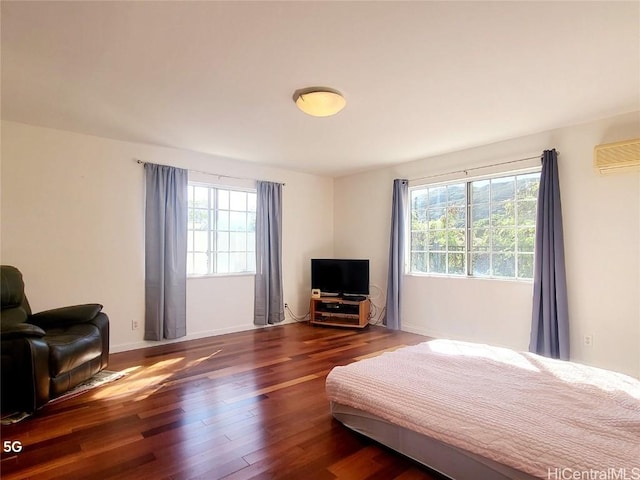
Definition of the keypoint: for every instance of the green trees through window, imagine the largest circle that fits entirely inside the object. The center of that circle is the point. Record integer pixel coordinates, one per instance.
(482, 228)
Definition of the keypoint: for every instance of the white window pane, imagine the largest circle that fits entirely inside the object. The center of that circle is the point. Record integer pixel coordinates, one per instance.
(251, 262)
(419, 199)
(251, 202)
(438, 262)
(200, 263)
(456, 217)
(223, 199)
(251, 222)
(419, 241)
(238, 201)
(527, 212)
(437, 196)
(480, 239)
(238, 262)
(504, 265)
(456, 240)
(456, 263)
(198, 219)
(480, 264)
(525, 266)
(527, 185)
(504, 239)
(503, 214)
(237, 221)
(419, 262)
(419, 202)
(200, 241)
(222, 241)
(222, 220)
(503, 189)
(480, 215)
(437, 239)
(480, 191)
(526, 239)
(222, 262)
(500, 222)
(437, 217)
(189, 263)
(201, 197)
(238, 242)
(419, 219)
(457, 194)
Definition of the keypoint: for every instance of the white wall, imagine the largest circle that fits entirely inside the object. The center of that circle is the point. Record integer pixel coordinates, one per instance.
(73, 223)
(602, 244)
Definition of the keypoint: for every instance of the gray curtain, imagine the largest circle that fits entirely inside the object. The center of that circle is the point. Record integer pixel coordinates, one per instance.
(165, 252)
(550, 319)
(269, 300)
(399, 206)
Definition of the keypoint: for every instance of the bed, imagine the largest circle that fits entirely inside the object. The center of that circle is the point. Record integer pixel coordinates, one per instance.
(476, 411)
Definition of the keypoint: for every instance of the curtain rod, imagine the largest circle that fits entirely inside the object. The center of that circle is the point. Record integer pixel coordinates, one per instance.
(219, 175)
(467, 170)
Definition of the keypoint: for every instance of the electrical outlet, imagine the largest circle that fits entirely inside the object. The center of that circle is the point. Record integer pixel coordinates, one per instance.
(134, 324)
(286, 305)
(588, 340)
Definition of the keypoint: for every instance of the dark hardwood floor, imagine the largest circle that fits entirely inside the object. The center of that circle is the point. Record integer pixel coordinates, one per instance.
(238, 406)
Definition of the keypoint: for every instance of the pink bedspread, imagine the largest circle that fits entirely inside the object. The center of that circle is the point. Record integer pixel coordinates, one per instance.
(548, 418)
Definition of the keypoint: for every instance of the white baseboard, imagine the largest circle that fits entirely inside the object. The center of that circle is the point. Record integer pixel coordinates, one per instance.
(193, 336)
(419, 330)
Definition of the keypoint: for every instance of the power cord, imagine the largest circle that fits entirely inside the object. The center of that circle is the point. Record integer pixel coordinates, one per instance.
(297, 318)
(376, 310)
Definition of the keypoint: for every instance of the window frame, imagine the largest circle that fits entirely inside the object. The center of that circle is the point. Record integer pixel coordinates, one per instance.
(212, 230)
(467, 181)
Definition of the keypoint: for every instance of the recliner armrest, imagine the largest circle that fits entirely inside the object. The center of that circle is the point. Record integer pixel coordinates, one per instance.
(66, 315)
(21, 330)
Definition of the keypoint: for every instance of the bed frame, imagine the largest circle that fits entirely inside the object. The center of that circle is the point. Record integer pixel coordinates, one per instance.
(445, 459)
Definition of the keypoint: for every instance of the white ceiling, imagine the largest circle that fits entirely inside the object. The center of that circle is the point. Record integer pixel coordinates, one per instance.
(420, 78)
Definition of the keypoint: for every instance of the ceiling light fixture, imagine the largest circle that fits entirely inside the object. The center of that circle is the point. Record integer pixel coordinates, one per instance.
(319, 101)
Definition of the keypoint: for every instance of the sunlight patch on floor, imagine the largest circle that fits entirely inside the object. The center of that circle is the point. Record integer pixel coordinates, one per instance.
(379, 352)
(148, 379)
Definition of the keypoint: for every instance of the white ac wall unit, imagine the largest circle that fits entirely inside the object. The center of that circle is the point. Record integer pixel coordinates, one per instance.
(617, 157)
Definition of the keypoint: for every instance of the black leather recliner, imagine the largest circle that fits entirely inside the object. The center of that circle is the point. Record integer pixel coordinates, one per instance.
(47, 353)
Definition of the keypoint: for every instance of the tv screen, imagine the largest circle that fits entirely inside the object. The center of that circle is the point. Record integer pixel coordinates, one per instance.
(340, 276)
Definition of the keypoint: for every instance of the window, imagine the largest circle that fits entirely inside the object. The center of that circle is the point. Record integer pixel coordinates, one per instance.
(483, 228)
(221, 230)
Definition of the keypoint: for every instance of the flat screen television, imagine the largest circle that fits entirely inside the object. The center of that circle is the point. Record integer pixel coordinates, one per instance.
(344, 277)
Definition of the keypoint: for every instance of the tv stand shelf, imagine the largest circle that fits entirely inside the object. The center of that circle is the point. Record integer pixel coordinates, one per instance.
(338, 312)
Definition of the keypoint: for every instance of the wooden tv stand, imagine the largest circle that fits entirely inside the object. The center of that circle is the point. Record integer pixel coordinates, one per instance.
(338, 312)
